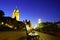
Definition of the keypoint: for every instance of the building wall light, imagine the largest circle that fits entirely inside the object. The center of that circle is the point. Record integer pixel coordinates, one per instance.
(2, 23)
(27, 27)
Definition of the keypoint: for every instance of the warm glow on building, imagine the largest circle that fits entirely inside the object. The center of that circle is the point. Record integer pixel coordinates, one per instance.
(9, 25)
(15, 28)
(27, 27)
(2, 23)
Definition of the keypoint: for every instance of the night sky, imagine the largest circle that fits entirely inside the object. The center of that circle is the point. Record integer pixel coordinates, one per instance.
(46, 10)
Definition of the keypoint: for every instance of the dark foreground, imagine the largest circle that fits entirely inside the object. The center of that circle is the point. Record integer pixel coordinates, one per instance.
(21, 35)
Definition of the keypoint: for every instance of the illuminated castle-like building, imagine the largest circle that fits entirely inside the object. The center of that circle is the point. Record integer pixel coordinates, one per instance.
(16, 14)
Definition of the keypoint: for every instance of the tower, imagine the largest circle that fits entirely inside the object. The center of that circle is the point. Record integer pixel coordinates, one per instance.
(16, 14)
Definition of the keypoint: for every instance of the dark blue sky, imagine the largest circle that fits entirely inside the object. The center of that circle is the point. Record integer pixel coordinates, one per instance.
(47, 10)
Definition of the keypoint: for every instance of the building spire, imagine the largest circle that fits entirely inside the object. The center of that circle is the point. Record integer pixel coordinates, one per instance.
(16, 8)
(16, 14)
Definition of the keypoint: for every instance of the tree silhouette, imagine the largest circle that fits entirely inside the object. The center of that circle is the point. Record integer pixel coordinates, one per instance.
(1, 14)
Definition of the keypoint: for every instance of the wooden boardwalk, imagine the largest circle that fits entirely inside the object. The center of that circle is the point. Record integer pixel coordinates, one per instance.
(21, 35)
(44, 36)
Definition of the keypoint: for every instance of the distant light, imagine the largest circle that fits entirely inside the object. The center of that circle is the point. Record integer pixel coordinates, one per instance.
(39, 21)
